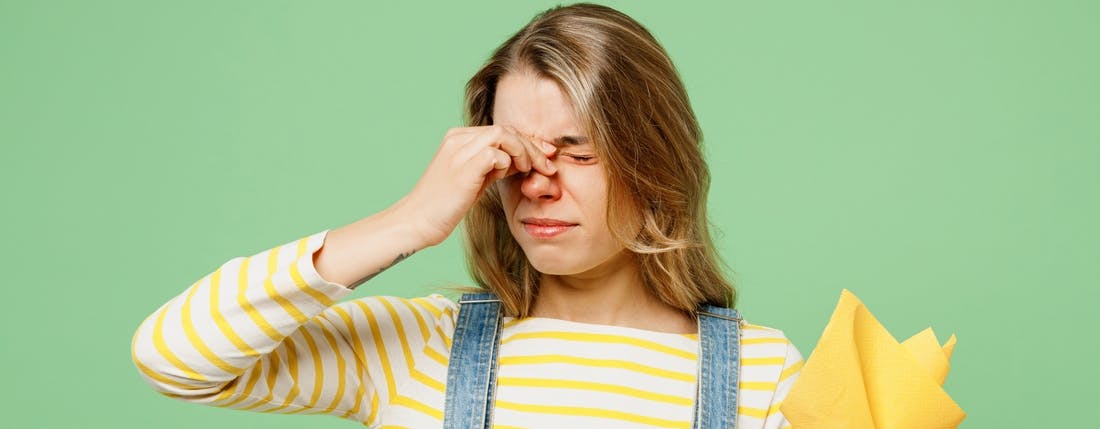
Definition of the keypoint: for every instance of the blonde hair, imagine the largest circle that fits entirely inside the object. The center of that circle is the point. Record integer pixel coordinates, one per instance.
(633, 106)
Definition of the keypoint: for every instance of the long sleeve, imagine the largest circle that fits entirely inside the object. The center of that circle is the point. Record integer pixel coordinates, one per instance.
(265, 333)
(792, 364)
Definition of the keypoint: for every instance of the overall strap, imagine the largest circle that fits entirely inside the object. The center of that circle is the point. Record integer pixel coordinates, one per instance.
(719, 362)
(471, 372)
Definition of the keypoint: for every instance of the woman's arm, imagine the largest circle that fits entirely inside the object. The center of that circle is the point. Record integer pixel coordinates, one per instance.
(792, 365)
(262, 333)
(394, 236)
(469, 160)
(237, 337)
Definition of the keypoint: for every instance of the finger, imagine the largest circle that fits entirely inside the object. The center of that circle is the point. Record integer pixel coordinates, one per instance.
(508, 140)
(500, 161)
(461, 131)
(501, 173)
(537, 151)
(541, 150)
(462, 136)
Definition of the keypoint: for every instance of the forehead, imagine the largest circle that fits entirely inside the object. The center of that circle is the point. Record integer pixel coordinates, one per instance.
(534, 105)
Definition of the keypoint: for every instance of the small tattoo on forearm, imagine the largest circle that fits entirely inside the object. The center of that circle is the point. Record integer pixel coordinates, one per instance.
(399, 258)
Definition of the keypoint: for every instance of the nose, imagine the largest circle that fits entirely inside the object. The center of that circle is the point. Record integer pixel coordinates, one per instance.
(538, 186)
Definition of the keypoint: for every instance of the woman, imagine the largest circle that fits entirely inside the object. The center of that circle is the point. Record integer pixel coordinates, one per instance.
(583, 188)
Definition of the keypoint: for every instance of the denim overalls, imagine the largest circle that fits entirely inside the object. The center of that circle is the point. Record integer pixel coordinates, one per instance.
(471, 373)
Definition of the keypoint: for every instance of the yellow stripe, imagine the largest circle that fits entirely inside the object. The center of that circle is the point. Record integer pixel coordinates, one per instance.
(149, 372)
(443, 335)
(774, 409)
(318, 377)
(269, 287)
(219, 319)
(292, 371)
(602, 339)
(341, 366)
(592, 386)
(300, 281)
(402, 335)
(383, 355)
(419, 319)
(418, 406)
(427, 349)
(446, 314)
(357, 349)
(752, 412)
(434, 355)
(449, 314)
(427, 304)
(225, 393)
(318, 368)
(593, 412)
(762, 361)
(196, 341)
(598, 363)
(154, 375)
(373, 407)
(242, 300)
(272, 370)
(165, 352)
(763, 340)
(757, 385)
(255, 376)
(428, 381)
(791, 370)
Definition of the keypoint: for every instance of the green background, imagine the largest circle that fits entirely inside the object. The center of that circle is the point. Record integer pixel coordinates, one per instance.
(938, 158)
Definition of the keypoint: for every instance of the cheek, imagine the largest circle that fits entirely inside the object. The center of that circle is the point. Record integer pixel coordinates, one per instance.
(589, 191)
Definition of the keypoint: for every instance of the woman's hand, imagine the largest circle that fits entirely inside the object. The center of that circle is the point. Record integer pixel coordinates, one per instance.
(468, 161)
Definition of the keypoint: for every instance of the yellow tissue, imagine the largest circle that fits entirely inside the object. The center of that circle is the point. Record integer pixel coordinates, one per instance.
(860, 377)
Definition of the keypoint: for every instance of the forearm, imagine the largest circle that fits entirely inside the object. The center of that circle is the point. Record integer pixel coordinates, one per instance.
(354, 253)
(220, 326)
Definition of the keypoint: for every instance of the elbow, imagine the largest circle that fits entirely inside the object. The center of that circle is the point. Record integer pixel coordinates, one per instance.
(164, 377)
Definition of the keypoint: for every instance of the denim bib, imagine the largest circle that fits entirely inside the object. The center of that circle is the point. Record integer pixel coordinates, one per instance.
(471, 372)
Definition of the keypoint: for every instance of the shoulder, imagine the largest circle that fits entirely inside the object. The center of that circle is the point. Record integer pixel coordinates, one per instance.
(752, 330)
(439, 306)
(387, 309)
(770, 347)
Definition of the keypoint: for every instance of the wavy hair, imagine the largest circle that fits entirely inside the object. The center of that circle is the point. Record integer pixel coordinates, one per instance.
(633, 106)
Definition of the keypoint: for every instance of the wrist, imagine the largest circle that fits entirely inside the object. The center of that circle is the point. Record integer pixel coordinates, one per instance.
(406, 226)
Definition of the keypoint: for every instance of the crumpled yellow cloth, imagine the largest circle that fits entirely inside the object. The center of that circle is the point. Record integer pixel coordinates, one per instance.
(860, 377)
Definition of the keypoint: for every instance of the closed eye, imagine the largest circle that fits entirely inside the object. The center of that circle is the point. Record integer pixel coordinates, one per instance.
(582, 158)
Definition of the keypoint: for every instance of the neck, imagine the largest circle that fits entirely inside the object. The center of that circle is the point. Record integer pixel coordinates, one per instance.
(610, 294)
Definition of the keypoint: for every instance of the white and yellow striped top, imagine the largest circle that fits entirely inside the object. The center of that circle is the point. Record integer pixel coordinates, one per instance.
(266, 333)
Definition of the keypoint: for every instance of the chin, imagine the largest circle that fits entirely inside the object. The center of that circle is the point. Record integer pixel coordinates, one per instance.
(555, 267)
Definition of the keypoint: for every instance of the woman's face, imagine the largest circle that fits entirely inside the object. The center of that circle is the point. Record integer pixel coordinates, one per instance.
(576, 194)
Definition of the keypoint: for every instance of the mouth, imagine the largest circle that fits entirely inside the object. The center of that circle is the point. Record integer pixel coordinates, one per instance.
(543, 228)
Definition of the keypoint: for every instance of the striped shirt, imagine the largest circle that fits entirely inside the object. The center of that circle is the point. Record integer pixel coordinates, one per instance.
(266, 333)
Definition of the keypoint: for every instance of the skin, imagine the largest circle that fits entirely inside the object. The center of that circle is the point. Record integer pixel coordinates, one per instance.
(586, 275)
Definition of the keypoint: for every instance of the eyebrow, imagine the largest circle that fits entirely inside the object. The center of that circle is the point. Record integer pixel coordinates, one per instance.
(569, 141)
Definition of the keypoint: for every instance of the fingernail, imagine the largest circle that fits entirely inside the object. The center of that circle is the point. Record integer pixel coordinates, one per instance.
(548, 148)
(550, 166)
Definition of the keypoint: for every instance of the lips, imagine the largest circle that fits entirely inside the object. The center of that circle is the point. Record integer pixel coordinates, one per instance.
(540, 221)
(544, 228)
